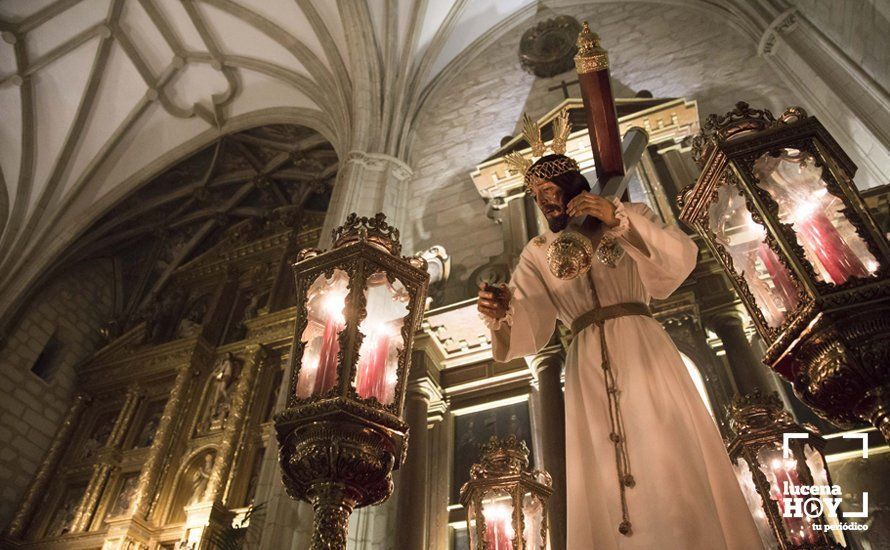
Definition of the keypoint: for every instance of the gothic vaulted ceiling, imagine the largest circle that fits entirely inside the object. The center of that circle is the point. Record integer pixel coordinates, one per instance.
(98, 96)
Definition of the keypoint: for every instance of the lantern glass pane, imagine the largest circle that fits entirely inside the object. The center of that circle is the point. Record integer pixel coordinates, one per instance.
(471, 525)
(378, 357)
(816, 465)
(755, 502)
(325, 302)
(533, 517)
(829, 240)
(782, 475)
(497, 511)
(744, 240)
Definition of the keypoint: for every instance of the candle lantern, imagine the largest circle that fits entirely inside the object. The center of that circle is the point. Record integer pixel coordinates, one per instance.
(772, 477)
(506, 503)
(342, 434)
(776, 204)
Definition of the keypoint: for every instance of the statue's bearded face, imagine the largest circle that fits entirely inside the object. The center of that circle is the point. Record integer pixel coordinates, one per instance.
(553, 200)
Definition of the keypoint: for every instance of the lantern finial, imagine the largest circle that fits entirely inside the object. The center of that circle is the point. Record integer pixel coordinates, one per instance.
(375, 231)
(502, 457)
(741, 121)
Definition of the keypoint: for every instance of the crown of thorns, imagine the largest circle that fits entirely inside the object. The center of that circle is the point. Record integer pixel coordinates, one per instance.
(536, 174)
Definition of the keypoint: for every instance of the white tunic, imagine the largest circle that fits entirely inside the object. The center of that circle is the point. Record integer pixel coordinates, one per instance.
(686, 494)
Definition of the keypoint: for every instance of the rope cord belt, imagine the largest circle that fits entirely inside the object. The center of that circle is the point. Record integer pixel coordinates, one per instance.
(598, 316)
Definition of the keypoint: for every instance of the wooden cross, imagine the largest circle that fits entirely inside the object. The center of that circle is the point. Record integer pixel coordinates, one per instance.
(564, 86)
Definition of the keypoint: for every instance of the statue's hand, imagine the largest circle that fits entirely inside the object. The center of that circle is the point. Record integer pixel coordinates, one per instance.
(588, 204)
(494, 301)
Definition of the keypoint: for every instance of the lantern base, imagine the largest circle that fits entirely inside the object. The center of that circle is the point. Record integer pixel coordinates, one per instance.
(839, 365)
(332, 503)
(338, 455)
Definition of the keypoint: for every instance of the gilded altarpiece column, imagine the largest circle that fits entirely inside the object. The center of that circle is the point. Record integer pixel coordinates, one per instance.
(133, 529)
(107, 460)
(212, 514)
(41, 480)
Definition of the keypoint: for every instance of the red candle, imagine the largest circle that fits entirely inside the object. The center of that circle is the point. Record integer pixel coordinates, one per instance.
(372, 379)
(326, 374)
(498, 526)
(823, 240)
(781, 279)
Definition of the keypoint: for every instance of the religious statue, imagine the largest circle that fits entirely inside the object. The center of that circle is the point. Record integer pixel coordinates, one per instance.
(253, 306)
(200, 478)
(190, 324)
(159, 316)
(219, 400)
(645, 462)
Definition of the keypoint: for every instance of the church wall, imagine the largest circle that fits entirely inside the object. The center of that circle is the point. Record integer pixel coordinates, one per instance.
(70, 308)
(670, 51)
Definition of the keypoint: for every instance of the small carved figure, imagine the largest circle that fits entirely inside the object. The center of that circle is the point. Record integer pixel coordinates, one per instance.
(192, 320)
(200, 479)
(219, 400)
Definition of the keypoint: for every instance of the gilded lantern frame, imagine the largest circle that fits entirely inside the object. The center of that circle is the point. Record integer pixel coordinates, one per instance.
(516, 485)
(767, 422)
(503, 467)
(359, 259)
(728, 160)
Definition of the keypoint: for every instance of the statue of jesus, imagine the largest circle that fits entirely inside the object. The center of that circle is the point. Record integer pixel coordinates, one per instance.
(645, 463)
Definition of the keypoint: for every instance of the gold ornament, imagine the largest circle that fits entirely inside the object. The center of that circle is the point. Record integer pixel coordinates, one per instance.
(609, 252)
(591, 57)
(570, 255)
(544, 171)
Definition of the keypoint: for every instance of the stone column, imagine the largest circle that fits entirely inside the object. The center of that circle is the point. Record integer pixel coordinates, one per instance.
(40, 481)
(106, 461)
(851, 105)
(749, 373)
(550, 423)
(440, 472)
(368, 183)
(681, 168)
(154, 463)
(217, 485)
(285, 523)
(411, 511)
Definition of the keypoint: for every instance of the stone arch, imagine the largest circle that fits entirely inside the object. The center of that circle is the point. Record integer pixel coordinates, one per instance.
(55, 248)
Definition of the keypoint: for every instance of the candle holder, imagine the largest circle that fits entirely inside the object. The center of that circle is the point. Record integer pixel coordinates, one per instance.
(506, 504)
(771, 478)
(776, 204)
(342, 434)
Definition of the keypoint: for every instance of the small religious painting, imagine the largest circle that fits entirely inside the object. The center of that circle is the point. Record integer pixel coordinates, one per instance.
(473, 429)
(63, 517)
(152, 418)
(98, 435)
(127, 490)
(459, 539)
